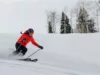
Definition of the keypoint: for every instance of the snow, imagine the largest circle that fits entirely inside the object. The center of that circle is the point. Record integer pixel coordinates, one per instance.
(71, 54)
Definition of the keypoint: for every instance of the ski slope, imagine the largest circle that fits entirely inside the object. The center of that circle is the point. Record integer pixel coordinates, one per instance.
(73, 54)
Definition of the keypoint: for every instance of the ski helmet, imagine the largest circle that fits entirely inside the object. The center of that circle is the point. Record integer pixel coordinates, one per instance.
(30, 30)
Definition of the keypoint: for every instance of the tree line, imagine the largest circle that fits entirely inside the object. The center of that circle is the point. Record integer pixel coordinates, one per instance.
(84, 22)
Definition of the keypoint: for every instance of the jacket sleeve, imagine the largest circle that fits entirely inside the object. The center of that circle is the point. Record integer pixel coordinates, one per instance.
(33, 42)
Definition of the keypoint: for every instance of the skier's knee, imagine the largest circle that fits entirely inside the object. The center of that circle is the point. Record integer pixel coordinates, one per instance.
(24, 51)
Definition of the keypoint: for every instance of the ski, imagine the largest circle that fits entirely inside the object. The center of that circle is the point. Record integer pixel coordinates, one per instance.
(28, 60)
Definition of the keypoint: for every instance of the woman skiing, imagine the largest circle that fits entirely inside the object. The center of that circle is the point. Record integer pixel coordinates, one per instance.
(22, 42)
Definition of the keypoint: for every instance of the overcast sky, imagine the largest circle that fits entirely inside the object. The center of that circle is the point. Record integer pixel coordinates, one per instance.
(17, 15)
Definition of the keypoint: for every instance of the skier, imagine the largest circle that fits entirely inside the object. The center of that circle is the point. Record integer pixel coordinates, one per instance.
(26, 37)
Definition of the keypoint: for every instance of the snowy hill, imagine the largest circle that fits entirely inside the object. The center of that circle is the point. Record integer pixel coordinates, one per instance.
(73, 54)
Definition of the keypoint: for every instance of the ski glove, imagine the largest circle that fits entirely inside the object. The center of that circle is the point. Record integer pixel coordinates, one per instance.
(41, 47)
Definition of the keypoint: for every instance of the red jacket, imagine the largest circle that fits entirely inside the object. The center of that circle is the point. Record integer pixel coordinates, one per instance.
(25, 39)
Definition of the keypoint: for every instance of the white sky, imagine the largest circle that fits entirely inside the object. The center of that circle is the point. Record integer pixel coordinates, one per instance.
(17, 15)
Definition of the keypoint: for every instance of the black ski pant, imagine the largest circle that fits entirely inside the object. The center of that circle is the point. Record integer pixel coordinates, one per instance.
(20, 49)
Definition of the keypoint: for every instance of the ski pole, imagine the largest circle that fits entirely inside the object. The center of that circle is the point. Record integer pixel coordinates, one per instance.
(33, 53)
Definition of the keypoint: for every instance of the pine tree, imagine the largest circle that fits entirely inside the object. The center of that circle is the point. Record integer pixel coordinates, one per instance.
(65, 26)
(91, 26)
(68, 26)
(62, 23)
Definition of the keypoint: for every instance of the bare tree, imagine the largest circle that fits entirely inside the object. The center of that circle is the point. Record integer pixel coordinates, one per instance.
(92, 7)
(49, 27)
(52, 19)
(82, 19)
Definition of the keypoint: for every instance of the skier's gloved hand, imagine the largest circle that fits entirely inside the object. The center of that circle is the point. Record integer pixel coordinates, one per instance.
(41, 47)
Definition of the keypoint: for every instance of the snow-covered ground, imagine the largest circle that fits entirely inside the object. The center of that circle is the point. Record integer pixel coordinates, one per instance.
(73, 54)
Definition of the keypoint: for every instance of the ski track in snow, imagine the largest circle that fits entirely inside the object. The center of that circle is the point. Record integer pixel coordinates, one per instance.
(36, 67)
